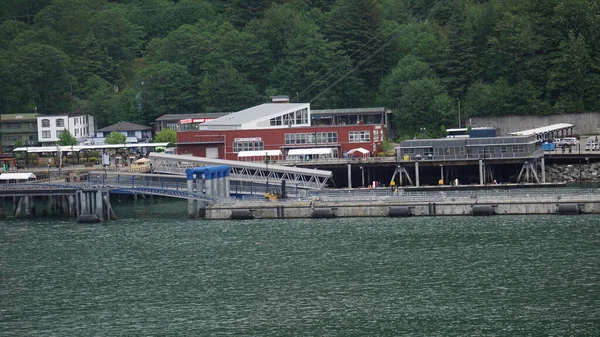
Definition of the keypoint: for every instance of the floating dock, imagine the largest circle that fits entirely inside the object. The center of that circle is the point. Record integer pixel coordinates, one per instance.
(397, 207)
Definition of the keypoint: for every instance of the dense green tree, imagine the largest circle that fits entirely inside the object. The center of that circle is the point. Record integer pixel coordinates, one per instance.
(94, 60)
(115, 34)
(514, 48)
(571, 76)
(115, 138)
(497, 56)
(65, 138)
(227, 90)
(42, 35)
(188, 46)
(9, 30)
(166, 88)
(423, 104)
(125, 106)
(241, 12)
(98, 100)
(22, 10)
(489, 99)
(410, 68)
(70, 19)
(166, 136)
(44, 70)
(460, 62)
(356, 25)
(306, 65)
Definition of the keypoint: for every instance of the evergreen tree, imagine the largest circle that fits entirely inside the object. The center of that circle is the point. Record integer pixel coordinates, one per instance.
(65, 138)
(115, 138)
(356, 25)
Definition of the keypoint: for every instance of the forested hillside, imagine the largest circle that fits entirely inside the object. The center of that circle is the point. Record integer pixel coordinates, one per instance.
(134, 60)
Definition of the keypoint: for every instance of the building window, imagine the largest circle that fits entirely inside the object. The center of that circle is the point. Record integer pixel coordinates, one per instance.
(275, 121)
(302, 116)
(311, 138)
(45, 123)
(248, 146)
(360, 136)
(375, 135)
(130, 133)
(46, 134)
(60, 123)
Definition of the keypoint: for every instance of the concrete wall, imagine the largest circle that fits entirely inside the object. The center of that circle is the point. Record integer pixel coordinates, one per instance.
(380, 209)
(586, 123)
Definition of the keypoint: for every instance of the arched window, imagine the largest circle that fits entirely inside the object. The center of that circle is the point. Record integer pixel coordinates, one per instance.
(60, 123)
(45, 123)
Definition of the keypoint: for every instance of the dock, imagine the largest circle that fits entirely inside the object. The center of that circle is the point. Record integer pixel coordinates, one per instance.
(424, 203)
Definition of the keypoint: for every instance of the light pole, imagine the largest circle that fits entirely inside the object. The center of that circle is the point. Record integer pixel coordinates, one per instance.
(458, 101)
(422, 133)
(362, 172)
(267, 159)
(27, 154)
(579, 146)
(396, 171)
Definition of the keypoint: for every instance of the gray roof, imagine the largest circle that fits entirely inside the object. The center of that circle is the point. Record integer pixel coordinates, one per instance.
(348, 111)
(497, 141)
(178, 117)
(125, 126)
(253, 113)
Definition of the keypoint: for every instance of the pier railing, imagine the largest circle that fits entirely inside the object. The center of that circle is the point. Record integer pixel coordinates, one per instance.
(500, 195)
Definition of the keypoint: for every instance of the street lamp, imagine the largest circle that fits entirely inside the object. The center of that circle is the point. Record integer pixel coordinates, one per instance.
(27, 154)
(362, 171)
(267, 159)
(422, 133)
(579, 146)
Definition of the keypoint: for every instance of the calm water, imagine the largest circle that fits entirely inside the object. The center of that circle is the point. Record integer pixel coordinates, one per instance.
(155, 274)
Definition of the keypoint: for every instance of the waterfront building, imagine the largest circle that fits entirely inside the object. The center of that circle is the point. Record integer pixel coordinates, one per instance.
(452, 153)
(184, 122)
(134, 133)
(16, 128)
(289, 128)
(79, 125)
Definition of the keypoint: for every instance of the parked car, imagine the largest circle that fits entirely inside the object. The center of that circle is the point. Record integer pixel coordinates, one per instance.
(568, 141)
(592, 146)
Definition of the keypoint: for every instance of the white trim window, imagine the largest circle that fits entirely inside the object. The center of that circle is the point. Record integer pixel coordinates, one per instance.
(60, 123)
(359, 136)
(45, 123)
(248, 146)
(46, 134)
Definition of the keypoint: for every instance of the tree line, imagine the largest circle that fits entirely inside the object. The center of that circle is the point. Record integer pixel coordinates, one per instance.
(134, 60)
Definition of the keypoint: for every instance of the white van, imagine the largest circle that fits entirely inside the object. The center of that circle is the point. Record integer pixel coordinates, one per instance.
(569, 141)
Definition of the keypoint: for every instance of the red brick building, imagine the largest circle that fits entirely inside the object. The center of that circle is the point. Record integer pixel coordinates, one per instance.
(273, 127)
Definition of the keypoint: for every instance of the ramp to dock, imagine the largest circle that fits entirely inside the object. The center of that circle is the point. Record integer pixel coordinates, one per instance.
(261, 173)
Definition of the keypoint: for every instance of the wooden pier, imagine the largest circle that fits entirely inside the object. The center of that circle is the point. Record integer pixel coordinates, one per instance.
(87, 203)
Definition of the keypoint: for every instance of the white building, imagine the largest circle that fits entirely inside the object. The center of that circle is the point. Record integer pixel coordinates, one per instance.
(49, 128)
(135, 133)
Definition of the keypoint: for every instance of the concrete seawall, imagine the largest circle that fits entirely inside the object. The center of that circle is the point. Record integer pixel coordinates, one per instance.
(391, 207)
(586, 123)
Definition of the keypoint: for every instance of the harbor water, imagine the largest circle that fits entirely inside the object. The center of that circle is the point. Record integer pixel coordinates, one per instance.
(155, 273)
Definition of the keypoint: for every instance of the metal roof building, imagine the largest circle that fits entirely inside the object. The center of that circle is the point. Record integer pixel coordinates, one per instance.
(264, 116)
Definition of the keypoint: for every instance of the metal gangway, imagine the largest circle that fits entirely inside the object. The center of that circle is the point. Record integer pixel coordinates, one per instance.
(174, 190)
(259, 173)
